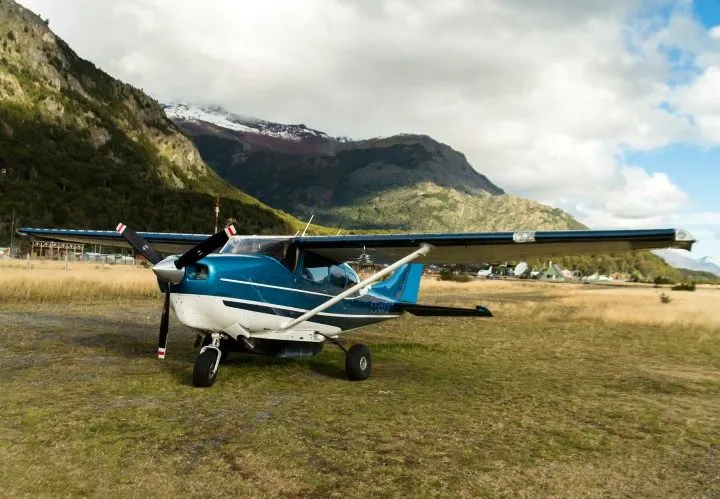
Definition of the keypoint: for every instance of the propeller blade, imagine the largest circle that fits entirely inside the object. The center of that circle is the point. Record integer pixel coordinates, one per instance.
(204, 248)
(138, 243)
(164, 324)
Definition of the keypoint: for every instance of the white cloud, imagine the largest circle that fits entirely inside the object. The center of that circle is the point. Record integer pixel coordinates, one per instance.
(543, 96)
(701, 100)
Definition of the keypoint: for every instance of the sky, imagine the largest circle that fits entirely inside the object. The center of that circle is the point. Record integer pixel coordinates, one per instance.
(609, 110)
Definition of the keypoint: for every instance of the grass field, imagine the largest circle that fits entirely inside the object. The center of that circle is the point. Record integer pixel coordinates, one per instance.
(572, 390)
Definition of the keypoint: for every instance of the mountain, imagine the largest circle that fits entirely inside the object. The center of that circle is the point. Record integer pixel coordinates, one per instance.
(400, 183)
(681, 259)
(79, 148)
(711, 263)
(403, 182)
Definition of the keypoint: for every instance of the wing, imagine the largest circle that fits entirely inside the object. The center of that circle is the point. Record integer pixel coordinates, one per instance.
(163, 242)
(482, 247)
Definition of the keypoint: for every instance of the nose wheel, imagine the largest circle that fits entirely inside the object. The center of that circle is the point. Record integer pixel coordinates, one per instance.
(207, 363)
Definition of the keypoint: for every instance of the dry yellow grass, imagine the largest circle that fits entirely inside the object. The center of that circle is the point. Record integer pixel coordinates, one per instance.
(618, 304)
(47, 281)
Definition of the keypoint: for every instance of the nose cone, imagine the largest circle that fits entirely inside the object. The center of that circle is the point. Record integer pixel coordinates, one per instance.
(166, 270)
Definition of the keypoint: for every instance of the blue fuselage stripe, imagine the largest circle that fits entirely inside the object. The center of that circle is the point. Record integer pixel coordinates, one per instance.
(347, 322)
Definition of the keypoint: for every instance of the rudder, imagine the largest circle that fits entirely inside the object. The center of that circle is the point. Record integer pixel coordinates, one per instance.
(404, 285)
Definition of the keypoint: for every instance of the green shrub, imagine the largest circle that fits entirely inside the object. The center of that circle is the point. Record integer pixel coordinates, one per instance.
(684, 287)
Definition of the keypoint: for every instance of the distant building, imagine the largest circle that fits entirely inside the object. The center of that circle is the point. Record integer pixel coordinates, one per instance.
(553, 273)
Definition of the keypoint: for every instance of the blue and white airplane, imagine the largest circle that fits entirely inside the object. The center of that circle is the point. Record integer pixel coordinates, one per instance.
(286, 296)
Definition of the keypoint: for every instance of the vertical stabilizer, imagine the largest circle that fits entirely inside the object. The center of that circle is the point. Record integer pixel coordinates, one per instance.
(403, 285)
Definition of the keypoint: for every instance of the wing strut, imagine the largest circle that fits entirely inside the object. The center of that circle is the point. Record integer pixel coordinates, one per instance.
(423, 250)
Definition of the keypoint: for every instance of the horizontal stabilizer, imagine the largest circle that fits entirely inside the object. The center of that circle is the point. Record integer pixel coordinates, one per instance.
(437, 311)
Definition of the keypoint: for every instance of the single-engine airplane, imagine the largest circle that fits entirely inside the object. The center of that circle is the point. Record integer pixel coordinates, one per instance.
(286, 296)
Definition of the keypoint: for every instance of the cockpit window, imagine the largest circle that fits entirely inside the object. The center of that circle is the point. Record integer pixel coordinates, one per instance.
(334, 277)
(315, 274)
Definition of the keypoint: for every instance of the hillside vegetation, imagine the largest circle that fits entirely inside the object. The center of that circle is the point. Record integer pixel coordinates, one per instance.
(81, 149)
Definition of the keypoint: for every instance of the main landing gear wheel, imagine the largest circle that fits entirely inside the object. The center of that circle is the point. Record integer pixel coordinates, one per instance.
(358, 362)
(206, 367)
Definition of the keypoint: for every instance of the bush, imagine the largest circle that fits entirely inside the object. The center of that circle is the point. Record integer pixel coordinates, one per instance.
(665, 298)
(662, 280)
(684, 287)
(449, 275)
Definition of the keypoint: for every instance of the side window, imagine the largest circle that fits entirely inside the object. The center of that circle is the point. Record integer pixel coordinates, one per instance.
(318, 275)
(352, 278)
(337, 277)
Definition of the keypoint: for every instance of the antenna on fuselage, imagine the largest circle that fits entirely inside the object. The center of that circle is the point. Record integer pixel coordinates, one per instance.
(308, 225)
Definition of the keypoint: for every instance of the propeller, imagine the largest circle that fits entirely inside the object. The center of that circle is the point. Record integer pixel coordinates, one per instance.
(201, 250)
(138, 243)
(171, 269)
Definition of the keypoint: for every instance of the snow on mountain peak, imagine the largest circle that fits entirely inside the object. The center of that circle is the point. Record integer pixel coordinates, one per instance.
(682, 259)
(709, 260)
(217, 116)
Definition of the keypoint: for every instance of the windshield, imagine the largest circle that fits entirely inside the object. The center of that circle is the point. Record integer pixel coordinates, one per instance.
(243, 245)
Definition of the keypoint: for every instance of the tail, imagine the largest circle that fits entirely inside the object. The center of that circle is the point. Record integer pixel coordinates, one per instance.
(404, 284)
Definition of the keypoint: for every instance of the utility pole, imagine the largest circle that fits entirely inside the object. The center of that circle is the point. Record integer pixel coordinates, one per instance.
(217, 211)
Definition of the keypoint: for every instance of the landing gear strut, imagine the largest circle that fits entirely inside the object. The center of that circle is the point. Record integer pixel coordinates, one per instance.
(223, 346)
(358, 361)
(206, 364)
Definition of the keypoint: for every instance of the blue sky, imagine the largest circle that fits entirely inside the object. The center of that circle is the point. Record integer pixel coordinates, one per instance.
(707, 12)
(693, 167)
(608, 109)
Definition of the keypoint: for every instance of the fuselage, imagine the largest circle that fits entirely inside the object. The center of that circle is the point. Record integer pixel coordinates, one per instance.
(252, 295)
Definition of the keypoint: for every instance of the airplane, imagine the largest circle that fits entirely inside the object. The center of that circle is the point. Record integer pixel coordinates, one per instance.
(485, 273)
(287, 296)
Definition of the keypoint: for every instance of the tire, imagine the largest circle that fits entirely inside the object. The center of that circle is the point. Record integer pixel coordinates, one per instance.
(358, 362)
(204, 372)
(224, 350)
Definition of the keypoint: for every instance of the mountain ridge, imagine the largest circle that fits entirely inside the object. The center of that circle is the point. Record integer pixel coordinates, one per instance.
(681, 259)
(359, 183)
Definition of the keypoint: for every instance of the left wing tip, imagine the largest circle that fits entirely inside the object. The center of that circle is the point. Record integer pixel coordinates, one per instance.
(684, 239)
